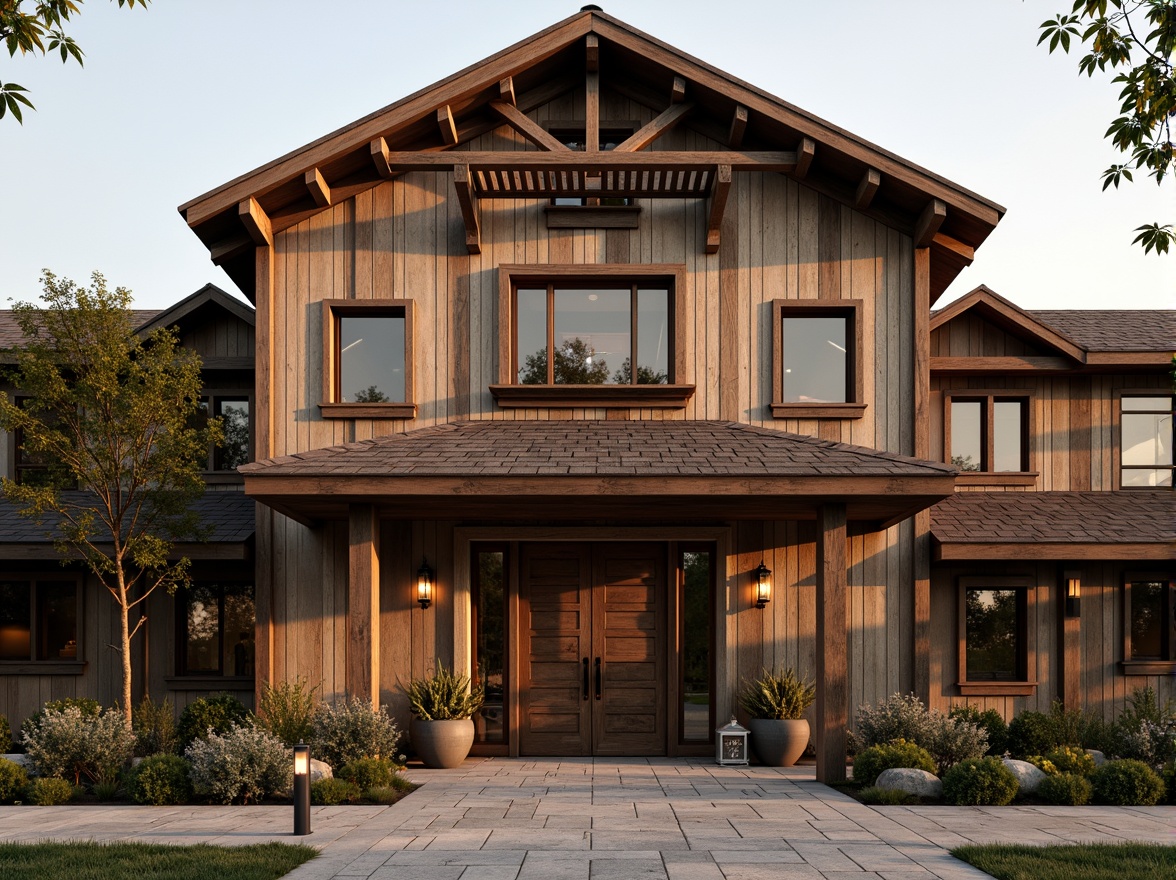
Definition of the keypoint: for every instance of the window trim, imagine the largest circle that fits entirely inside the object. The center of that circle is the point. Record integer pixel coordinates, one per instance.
(819, 308)
(1027, 661)
(54, 666)
(509, 394)
(212, 474)
(1117, 451)
(1162, 666)
(181, 640)
(330, 407)
(989, 397)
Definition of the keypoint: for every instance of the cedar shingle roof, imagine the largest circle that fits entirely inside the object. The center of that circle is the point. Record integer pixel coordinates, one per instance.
(11, 337)
(1114, 329)
(633, 448)
(1128, 517)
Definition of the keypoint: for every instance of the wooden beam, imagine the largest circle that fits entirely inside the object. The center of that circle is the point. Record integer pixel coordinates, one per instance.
(592, 53)
(832, 715)
(958, 248)
(678, 90)
(527, 127)
(1001, 364)
(804, 157)
(719, 195)
(929, 222)
(363, 604)
(506, 92)
(921, 418)
(255, 221)
(448, 126)
(592, 112)
(469, 208)
(738, 127)
(319, 191)
(866, 188)
(441, 160)
(379, 151)
(230, 248)
(655, 128)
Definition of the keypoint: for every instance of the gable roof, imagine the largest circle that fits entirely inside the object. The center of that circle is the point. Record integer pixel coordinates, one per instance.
(1114, 329)
(245, 212)
(208, 296)
(1010, 317)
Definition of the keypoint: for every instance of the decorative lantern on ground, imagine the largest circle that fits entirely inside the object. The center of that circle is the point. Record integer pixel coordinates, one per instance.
(731, 743)
(301, 789)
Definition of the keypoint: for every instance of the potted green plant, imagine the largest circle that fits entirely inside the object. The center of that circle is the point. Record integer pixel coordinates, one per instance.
(776, 702)
(442, 728)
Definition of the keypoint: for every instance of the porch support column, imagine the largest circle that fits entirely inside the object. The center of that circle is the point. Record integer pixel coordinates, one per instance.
(363, 603)
(1070, 640)
(832, 673)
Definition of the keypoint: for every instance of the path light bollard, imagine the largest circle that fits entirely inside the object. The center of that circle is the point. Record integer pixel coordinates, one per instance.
(301, 789)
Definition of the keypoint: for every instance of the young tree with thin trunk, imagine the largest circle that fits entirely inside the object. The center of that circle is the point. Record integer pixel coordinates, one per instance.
(115, 421)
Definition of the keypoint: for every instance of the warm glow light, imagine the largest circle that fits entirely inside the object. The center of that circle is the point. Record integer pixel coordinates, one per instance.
(763, 585)
(1073, 581)
(301, 760)
(425, 585)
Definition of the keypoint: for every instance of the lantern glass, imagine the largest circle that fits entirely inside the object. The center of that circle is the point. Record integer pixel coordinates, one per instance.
(424, 584)
(1073, 593)
(763, 585)
(731, 743)
(301, 760)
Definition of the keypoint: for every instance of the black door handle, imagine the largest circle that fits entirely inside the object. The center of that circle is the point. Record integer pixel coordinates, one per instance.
(599, 677)
(585, 678)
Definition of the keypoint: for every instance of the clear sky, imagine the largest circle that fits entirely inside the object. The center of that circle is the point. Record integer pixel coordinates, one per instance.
(177, 99)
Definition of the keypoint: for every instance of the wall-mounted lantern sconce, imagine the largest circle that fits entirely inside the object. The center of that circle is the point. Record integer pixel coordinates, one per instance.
(301, 789)
(763, 585)
(425, 584)
(1073, 593)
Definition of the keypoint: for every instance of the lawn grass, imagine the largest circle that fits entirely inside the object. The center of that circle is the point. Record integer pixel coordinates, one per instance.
(1121, 861)
(99, 861)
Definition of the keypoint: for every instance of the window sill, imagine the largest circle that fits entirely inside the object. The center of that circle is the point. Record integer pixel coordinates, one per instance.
(209, 682)
(592, 216)
(997, 688)
(368, 410)
(818, 410)
(1147, 667)
(42, 667)
(997, 478)
(593, 396)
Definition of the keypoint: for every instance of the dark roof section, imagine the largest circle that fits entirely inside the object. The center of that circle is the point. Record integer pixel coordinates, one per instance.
(1042, 524)
(1114, 329)
(629, 448)
(11, 336)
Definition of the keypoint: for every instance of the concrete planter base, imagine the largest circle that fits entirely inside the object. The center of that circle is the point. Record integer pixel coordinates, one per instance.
(778, 743)
(442, 745)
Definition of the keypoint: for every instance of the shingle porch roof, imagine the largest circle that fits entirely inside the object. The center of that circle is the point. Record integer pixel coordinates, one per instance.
(1114, 329)
(1131, 524)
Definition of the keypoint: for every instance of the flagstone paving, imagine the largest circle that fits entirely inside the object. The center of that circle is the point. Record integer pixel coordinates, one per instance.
(622, 818)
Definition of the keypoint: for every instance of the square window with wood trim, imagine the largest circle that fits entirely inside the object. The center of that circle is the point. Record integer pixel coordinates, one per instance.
(987, 432)
(996, 641)
(599, 339)
(215, 629)
(1146, 441)
(817, 359)
(1149, 623)
(39, 617)
(368, 359)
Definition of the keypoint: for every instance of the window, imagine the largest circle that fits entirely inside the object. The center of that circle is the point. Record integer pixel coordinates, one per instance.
(489, 639)
(216, 628)
(39, 620)
(987, 432)
(696, 719)
(995, 640)
(1145, 426)
(816, 362)
(1149, 637)
(37, 469)
(234, 412)
(367, 368)
(599, 339)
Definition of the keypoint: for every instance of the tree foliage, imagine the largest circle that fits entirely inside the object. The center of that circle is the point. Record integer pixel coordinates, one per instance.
(39, 27)
(576, 363)
(1137, 38)
(116, 417)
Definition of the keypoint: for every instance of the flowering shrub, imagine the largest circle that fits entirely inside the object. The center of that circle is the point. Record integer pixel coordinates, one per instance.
(1071, 759)
(948, 739)
(979, 782)
(245, 764)
(68, 744)
(992, 722)
(350, 730)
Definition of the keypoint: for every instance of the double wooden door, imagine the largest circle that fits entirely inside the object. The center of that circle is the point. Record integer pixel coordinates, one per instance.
(593, 649)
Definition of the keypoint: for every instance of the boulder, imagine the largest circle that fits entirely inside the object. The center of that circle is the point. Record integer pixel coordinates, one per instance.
(320, 770)
(1028, 776)
(912, 781)
(1099, 757)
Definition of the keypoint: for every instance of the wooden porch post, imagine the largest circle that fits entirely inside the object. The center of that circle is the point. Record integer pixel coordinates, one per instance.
(921, 649)
(1070, 640)
(832, 668)
(363, 603)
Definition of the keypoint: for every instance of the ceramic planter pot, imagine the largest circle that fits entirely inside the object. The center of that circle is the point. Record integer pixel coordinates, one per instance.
(778, 743)
(442, 745)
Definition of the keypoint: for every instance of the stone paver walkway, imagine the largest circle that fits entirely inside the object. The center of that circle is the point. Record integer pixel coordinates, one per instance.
(627, 818)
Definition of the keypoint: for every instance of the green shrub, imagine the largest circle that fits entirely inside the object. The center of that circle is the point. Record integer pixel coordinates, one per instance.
(385, 794)
(869, 763)
(990, 720)
(886, 797)
(368, 772)
(777, 695)
(979, 782)
(954, 740)
(49, 791)
(1071, 759)
(287, 711)
(1169, 776)
(13, 780)
(1065, 789)
(218, 714)
(243, 765)
(329, 792)
(1127, 783)
(161, 780)
(351, 730)
(155, 728)
(1043, 764)
(87, 707)
(445, 696)
(5, 735)
(1032, 733)
(72, 745)
(948, 739)
(106, 790)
